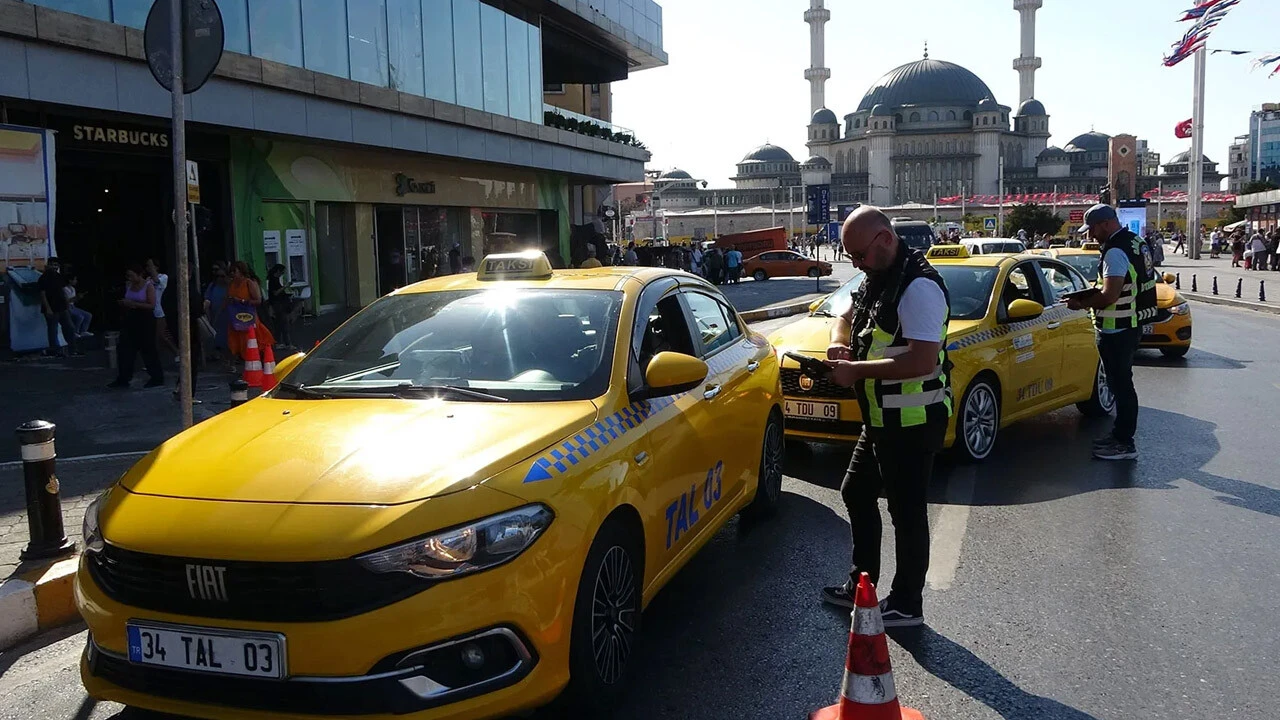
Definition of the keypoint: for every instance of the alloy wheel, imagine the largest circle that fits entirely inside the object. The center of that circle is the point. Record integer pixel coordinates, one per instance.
(1106, 399)
(771, 468)
(980, 420)
(613, 610)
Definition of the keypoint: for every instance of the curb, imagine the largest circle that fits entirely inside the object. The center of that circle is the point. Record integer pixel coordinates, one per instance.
(1220, 300)
(39, 598)
(776, 311)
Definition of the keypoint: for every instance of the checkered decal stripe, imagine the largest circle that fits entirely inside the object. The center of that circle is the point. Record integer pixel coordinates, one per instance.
(1055, 313)
(560, 458)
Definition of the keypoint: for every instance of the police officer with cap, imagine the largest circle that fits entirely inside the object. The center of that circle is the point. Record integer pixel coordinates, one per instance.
(889, 346)
(1127, 300)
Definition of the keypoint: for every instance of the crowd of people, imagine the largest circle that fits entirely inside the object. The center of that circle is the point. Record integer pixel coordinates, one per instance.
(718, 265)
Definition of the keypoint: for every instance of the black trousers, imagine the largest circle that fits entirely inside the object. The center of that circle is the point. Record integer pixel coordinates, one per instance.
(138, 336)
(1116, 350)
(900, 463)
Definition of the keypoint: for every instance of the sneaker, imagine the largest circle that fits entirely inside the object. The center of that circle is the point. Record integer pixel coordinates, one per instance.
(838, 595)
(1103, 441)
(896, 617)
(1116, 450)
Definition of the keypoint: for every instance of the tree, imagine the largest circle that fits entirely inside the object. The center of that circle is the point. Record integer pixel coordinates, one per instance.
(1034, 219)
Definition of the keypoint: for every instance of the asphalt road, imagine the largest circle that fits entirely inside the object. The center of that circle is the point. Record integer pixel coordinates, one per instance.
(1061, 588)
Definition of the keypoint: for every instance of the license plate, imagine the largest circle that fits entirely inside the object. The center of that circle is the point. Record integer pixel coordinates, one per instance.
(211, 650)
(811, 410)
(1148, 329)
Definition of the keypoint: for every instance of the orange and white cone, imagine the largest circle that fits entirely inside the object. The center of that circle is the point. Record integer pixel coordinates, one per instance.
(252, 361)
(867, 692)
(268, 368)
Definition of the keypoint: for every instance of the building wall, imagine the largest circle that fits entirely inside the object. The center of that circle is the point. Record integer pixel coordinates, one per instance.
(591, 100)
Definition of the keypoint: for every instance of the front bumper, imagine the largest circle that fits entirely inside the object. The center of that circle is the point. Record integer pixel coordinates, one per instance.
(1173, 332)
(847, 429)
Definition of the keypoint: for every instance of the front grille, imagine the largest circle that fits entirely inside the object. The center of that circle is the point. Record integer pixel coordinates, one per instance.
(260, 591)
(1162, 315)
(840, 427)
(822, 387)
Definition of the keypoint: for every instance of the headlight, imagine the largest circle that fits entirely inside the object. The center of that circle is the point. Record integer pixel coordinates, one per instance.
(461, 550)
(1183, 309)
(90, 531)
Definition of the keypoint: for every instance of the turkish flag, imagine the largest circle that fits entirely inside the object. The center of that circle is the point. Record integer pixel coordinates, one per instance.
(1183, 129)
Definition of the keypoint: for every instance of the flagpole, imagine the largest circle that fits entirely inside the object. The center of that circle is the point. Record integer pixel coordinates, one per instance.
(1195, 168)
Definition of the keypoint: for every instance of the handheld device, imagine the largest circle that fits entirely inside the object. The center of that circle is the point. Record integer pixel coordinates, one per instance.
(812, 367)
(1079, 294)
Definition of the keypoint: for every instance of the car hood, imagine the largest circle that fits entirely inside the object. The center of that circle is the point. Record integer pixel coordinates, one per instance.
(811, 335)
(367, 452)
(1167, 296)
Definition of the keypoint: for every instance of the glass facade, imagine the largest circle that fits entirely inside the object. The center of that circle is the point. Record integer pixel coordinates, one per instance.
(1264, 146)
(459, 51)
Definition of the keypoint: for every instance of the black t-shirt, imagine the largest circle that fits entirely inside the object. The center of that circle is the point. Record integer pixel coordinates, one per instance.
(53, 284)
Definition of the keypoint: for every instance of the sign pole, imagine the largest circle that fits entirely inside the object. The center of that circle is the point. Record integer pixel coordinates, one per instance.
(1196, 177)
(176, 26)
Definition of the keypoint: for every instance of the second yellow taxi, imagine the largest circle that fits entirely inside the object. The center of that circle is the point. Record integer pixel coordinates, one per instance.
(1017, 351)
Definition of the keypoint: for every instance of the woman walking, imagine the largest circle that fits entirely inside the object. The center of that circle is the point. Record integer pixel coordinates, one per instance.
(161, 283)
(244, 295)
(215, 309)
(138, 332)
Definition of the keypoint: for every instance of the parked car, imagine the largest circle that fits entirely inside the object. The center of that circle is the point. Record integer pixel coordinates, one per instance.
(784, 263)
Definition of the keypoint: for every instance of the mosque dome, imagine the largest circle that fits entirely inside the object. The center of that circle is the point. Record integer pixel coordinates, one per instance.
(926, 82)
(768, 153)
(1092, 141)
(824, 117)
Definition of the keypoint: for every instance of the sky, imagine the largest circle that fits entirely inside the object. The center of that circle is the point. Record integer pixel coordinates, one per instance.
(735, 77)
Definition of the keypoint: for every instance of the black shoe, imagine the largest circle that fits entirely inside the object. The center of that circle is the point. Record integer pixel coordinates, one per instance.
(899, 617)
(1103, 441)
(838, 595)
(1116, 450)
(118, 384)
(154, 384)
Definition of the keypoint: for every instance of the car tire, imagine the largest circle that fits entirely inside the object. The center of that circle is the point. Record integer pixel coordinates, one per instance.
(612, 578)
(1174, 353)
(978, 421)
(1102, 402)
(814, 272)
(773, 457)
(760, 275)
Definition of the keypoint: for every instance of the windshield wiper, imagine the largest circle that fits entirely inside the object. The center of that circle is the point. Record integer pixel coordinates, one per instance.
(822, 313)
(313, 393)
(455, 390)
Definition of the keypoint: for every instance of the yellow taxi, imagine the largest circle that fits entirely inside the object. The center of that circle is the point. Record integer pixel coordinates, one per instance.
(1170, 330)
(457, 505)
(1017, 351)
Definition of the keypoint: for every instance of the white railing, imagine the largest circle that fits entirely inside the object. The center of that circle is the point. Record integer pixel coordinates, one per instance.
(587, 118)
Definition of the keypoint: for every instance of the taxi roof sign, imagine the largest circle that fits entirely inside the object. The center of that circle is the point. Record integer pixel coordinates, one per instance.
(947, 251)
(527, 265)
(1091, 246)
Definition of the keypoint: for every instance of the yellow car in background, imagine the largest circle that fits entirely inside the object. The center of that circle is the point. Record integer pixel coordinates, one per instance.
(1170, 330)
(1017, 351)
(456, 506)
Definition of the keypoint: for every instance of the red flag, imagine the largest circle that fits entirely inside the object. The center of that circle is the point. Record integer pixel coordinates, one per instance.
(1183, 129)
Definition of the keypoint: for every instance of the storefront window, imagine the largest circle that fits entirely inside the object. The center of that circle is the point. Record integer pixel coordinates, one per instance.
(466, 42)
(535, 74)
(324, 36)
(367, 28)
(518, 68)
(437, 46)
(275, 30)
(235, 25)
(404, 44)
(132, 13)
(98, 9)
(493, 39)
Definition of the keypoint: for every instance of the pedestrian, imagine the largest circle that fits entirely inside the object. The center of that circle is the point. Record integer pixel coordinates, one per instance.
(137, 330)
(244, 295)
(57, 311)
(215, 309)
(697, 258)
(892, 332)
(1127, 299)
(733, 264)
(161, 282)
(1215, 243)
(81, 319)
(1273, 248)
(1258, 245)
(1237, 248)
(280, 301)
(591, 261)
(715, 266)
(1180, 239)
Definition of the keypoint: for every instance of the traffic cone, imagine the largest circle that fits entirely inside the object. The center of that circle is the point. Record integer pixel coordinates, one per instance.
(867, 692)
(268, 368)
(252, 361)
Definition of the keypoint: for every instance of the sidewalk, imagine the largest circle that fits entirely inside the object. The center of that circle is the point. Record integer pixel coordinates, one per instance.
(1205, 269)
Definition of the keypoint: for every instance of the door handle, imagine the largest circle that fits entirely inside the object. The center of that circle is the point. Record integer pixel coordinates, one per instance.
(751, 366)
(1054, 325)
(712, 391)
(642, 458)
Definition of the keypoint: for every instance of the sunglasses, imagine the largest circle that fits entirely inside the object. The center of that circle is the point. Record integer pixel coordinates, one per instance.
(858, 257)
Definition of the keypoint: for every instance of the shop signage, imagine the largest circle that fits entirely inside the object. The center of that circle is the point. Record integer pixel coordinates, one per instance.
(119, 137)
(406, 185)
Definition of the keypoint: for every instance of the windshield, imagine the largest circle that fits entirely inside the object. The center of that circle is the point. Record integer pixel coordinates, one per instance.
(970, 289)
(1086, 264)
(526, 345)
(839, 301)
(919, 237)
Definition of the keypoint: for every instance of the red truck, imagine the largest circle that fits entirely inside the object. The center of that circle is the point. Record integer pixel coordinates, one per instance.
(754, 242)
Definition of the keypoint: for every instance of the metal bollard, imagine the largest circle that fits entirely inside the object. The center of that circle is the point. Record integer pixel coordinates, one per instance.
(239, 392)
(1193, 284)
(1239, 287)
(44, 503)
(1215, 284)
(112, 339)
(1177, 281)
(1262, 291)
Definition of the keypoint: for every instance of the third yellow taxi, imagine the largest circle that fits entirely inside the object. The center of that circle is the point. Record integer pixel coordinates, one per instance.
(1170, 330)
(457, 505)
(1016, 348)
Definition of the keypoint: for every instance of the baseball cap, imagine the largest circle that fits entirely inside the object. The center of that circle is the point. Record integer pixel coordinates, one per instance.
(1099, 213)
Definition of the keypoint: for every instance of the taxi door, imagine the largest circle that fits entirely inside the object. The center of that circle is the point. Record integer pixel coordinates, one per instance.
(1032, 348)
(1079, 345)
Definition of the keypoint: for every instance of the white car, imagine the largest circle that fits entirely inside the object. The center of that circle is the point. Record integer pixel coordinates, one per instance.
(991, 246)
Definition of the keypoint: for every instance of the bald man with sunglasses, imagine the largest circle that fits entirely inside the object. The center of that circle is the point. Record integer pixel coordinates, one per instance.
(889, 346)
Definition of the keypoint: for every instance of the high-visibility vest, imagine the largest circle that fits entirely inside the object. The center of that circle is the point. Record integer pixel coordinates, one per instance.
(1137, 301)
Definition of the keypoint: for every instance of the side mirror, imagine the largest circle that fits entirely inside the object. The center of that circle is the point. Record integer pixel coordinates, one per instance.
(1023, 309)
(284, 366)
(671, 373)
(1169, 278)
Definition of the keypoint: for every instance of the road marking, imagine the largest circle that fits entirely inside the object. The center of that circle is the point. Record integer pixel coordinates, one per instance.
(83, 458)
(949, 529)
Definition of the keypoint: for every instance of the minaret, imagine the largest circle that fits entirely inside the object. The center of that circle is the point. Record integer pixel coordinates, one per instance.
(817, 16)
(1027, 63)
